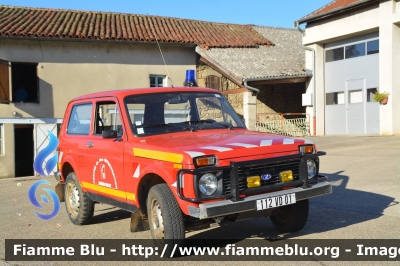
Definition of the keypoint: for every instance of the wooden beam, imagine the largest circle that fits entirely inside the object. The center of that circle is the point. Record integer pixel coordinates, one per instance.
(234, 91)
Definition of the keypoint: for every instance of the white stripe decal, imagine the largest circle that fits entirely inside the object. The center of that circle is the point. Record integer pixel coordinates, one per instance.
(266, 142)
(307, 141)
(174, 184)
(245, 145)
(216, 148)
(137, 172)
(195, 153)
(60, 157)
(288, 141)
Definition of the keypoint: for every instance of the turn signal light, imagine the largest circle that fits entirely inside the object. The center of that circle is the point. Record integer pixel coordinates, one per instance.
(306, 149)
(205, 161)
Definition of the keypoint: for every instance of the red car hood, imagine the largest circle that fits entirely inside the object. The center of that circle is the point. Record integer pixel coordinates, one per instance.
(224, 144)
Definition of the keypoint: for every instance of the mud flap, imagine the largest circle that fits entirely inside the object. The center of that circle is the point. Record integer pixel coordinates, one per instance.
(60, 191)
(139, 222)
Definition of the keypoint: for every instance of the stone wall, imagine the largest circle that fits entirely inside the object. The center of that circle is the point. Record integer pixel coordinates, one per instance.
(236, 100)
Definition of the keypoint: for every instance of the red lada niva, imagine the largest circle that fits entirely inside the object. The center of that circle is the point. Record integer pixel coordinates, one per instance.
(181, 159)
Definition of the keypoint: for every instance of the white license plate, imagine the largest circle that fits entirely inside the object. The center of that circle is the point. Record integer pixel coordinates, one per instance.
(277, 201)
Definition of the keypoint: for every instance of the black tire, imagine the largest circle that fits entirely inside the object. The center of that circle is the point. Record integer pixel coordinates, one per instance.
(79, 206)
(165, 217)
(291, 218)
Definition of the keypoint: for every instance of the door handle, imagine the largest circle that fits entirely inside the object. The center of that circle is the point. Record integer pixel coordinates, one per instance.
(89, 144)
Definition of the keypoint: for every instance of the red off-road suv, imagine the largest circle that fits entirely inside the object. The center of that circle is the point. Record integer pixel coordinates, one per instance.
(179, 159)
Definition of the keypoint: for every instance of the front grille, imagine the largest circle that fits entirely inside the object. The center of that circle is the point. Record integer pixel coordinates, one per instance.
(272, 168)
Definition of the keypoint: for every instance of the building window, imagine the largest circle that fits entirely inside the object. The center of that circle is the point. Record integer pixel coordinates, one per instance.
(370, 95)
(213, 82)
(355, 96)
(334, 98)
(334, 54)
(351, 51)
(355, 50)
(373, 47)
(24, 82)
(80, 119)
(157, 81)
(1, 139)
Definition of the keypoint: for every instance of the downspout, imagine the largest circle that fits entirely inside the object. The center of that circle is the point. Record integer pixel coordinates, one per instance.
(296, 24)
(254, 90)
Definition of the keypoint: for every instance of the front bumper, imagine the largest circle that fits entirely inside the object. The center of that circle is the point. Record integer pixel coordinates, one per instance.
(226, 207)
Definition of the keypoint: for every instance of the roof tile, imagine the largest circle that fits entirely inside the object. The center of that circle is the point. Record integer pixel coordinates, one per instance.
(334, 5)
(72, 24)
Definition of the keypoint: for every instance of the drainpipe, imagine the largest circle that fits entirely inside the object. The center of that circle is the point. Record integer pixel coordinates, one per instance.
(296, 23)
(254, 90)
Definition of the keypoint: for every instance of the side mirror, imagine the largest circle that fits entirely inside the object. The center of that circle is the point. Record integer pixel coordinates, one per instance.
(109, 134)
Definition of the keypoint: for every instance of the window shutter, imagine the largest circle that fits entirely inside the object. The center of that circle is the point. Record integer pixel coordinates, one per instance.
(213, 82)
(4, 82)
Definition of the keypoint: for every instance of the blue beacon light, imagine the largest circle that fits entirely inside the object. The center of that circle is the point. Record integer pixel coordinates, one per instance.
(190, 80)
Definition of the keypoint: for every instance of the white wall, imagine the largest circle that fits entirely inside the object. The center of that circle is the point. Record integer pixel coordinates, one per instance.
(384, 18)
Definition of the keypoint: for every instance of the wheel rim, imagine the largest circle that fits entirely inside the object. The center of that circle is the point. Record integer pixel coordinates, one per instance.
(157, 220)
(72, 198)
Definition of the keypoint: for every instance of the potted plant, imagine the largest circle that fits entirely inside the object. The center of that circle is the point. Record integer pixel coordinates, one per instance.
(381, 97)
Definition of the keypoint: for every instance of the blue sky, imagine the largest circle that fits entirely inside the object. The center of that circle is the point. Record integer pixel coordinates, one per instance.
(275, 13)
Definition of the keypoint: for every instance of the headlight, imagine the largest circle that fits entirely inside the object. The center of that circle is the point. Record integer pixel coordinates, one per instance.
(311, 168)
(208, 184)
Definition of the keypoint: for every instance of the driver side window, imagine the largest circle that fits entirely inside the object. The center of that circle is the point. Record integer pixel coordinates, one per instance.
(108, 118)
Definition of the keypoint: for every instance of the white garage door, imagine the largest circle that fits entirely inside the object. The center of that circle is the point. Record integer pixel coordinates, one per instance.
(351, 78)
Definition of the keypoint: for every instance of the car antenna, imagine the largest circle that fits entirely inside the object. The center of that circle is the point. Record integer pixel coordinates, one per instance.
(155, 35)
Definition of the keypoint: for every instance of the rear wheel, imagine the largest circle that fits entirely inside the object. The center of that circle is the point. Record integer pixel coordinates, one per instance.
(291, 218)
(165, 217)
(79, 206)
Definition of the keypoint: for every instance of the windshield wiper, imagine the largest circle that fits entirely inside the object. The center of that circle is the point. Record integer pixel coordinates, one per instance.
(211, 121)
(163, 125)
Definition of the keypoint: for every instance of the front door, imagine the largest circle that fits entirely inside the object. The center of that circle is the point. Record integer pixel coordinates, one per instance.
(105, 155)
(355, 105)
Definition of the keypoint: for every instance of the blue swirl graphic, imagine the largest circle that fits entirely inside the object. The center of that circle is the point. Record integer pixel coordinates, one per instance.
(36, 203)
(41, 156)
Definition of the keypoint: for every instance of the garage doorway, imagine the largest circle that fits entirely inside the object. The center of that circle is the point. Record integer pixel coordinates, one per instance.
(24, 152)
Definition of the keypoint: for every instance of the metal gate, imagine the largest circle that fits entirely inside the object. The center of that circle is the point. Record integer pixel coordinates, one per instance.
(282, 124)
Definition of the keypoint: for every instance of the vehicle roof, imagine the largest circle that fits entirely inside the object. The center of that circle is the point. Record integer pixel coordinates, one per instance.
(125, 92)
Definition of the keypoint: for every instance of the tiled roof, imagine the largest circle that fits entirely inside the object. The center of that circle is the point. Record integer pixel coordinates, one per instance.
(284, 59)
(78, 25)
(334, 5)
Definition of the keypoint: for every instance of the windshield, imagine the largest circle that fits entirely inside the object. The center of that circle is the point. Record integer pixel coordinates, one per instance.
(176, 111)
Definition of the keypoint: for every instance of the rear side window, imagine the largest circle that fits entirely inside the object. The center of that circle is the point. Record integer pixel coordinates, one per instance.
(80, 119)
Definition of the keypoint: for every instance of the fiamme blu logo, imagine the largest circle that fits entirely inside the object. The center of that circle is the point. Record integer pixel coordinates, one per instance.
(44, 167)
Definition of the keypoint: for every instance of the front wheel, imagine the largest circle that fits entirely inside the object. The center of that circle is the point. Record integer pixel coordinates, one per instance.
(291, 218)
(165, 216)
(79, 206)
